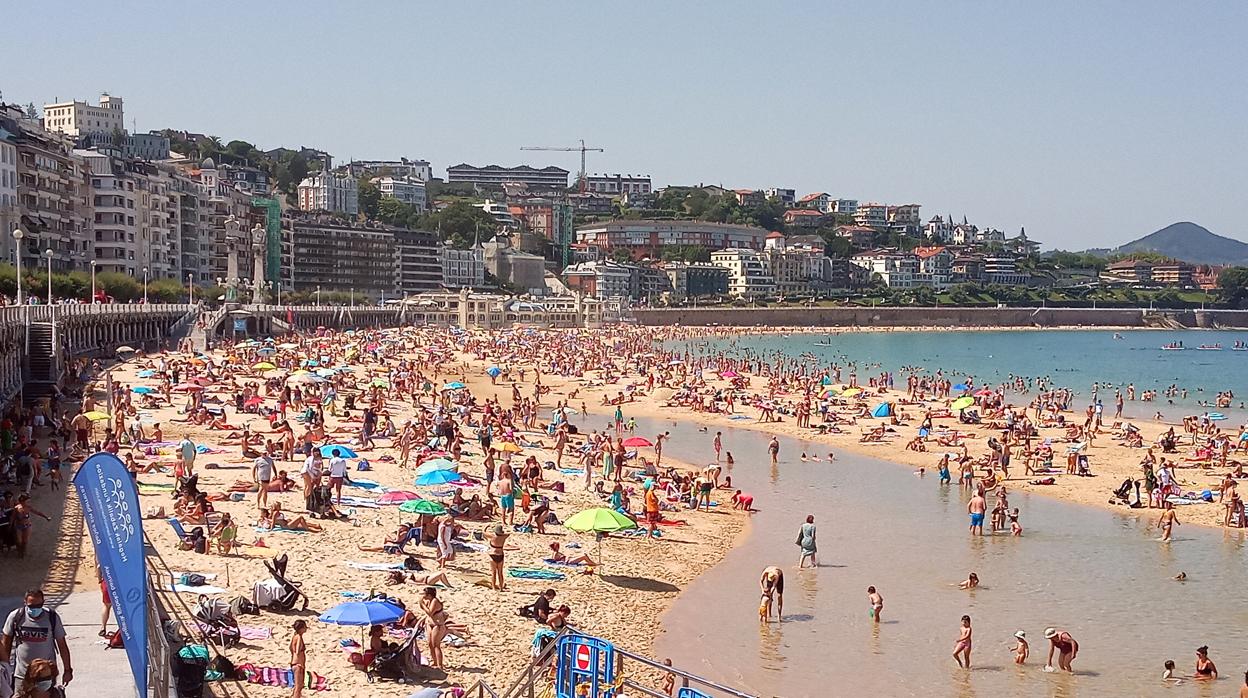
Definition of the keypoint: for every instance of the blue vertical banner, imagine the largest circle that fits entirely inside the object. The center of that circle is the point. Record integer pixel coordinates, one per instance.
(110, 508)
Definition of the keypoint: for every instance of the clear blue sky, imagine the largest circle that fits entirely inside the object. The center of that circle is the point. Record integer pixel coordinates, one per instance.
(1090, 123)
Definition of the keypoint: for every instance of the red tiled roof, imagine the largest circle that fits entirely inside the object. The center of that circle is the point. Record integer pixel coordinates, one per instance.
(811, 197)
(776, 234)
(925, 252)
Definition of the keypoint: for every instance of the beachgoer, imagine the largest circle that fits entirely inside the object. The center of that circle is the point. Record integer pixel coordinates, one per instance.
(876, 602)
(962, 649)
(1064, 645)
(33, 632)
(298, 657)
(1206, 670)
(806, 541)
(772, 583)
(1021, 650)
(976, 508)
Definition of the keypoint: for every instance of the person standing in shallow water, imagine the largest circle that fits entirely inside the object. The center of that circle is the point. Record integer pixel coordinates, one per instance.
(806, 541)
(962, 650)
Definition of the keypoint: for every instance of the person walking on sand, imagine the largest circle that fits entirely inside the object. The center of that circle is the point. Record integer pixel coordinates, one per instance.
(298, 657)
(1167, 521)
(658, 447)
(806, 541)
(962, 650)
(773, 447)
(1066, 647)
(976, 508)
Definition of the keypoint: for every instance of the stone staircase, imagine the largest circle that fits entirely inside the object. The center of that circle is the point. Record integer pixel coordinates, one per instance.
(42, 365)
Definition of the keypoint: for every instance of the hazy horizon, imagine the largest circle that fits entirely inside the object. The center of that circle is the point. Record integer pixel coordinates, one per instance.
(1089, 124)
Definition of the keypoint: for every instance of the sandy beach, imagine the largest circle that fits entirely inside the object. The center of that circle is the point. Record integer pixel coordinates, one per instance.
(622, 600)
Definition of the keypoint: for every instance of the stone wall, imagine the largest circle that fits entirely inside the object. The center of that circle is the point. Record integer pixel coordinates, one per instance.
(941, 317)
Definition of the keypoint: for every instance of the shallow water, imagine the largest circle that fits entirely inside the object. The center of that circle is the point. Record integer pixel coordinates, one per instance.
(1069, 358)
(1102, 576)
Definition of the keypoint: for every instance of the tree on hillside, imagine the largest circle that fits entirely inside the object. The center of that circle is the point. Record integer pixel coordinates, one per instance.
(460, 223)
(369, 198)
(1233, 286)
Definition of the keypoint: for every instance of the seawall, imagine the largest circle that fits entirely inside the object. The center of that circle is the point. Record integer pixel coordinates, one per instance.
(942, 316)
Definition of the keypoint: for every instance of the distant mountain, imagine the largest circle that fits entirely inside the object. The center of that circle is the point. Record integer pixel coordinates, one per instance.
(1190, 243)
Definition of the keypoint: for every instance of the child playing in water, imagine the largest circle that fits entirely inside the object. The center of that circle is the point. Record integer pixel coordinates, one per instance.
(1168, 675)
(962, 650)
(877, 603)
(1022, 649)
(1016, 529)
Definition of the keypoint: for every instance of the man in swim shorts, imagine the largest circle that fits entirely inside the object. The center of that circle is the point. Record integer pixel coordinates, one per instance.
(976, 508)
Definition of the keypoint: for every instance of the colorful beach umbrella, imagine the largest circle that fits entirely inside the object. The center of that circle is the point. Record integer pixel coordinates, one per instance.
(599, 520)
(343, 451)
(509, 447)
(961, 386)
(422, 506)
(397, 497)
(455, 385)
(436, 466)
(729, 374)
(96, 415)
(142, 390)
(263, 366)
(437, 477)
(637, 442)
(266, 351)
(961, 403)
(363, 613)
(851, 392)
(493, 371)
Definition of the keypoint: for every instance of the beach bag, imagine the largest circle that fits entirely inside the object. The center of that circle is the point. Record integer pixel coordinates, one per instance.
(411, 563)
(192, 579)
(222, 665)
(242, 606)
(798, 542)
(115, 641)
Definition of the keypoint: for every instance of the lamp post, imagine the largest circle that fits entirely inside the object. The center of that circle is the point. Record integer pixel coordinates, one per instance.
(318, 294)
(49, 253)
(190, 288)
(93, 265)
(144, 285)
(17, 236)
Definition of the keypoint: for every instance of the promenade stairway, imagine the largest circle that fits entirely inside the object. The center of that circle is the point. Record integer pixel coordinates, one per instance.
(42, 372)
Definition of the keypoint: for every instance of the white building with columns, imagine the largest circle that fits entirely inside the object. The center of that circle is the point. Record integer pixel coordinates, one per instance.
(326, 191)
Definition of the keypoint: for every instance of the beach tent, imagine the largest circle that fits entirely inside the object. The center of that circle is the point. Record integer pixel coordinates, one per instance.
(882, 410)
(124, 349)
(344, 451)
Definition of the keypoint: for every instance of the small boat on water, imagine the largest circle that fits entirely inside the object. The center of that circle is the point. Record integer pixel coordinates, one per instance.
(1239, 346)
(1209, 347)
(823, 344)
(1173, 346)
(1118, 336)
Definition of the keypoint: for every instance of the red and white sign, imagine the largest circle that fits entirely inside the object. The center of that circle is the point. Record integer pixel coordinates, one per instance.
(582, 658)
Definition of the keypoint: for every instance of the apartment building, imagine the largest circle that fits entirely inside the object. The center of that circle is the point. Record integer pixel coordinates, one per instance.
(895, 269)
(408, 190)
(402, 168)
(53, 198)
(82, 119)
(796, 266)
(543, 179)
(418, 265)
(617, 184)
(647, 238)
(749, 272)
(334, 256)
(462, 268)
(9, 216)
(871, 215)
(696, 279)
(786, 197)
(326, 191)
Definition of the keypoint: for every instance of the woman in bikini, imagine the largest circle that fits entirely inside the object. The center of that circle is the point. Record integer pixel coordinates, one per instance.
(1205, 668)
(21, 519)
(298, 657)
(435, 625)
(497, 542)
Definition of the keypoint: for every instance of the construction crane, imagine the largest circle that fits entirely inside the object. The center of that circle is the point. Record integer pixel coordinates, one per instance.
(583, 149)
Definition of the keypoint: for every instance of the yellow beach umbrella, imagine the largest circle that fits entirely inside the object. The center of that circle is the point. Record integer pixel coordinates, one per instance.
(263, 366)
(96, 415)
(851, 392)
(509, 447)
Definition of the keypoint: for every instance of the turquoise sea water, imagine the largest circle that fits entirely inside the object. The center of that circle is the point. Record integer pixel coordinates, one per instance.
(1076, 359)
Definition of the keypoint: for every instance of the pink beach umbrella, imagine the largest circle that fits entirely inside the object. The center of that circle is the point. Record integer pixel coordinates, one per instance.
(729, 374)
(397, 497)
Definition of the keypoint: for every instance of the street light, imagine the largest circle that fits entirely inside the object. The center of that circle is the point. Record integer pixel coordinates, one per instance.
(93, 265)
(190, 288)
(49, 254)
(145, 285)
(17, 236)
(318, 294)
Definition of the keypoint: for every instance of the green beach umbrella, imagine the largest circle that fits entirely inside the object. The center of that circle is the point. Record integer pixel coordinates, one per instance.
(422, 506)
(961, 403)
(599, 520)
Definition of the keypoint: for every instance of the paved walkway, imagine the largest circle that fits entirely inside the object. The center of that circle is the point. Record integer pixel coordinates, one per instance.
(98, 672)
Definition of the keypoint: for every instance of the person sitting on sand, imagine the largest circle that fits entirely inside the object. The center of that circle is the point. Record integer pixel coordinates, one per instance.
(392, 543)
(556, 555)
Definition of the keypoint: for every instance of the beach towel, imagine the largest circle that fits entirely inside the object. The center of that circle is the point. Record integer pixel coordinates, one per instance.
(464, 545)
(353, 594)
(277, 529)
(571, 471)
(375, 566)
(246, 632)
(636, 533)
(534, 573)
(283, 678)
(202, 589)
(366, 484)
(361, 502)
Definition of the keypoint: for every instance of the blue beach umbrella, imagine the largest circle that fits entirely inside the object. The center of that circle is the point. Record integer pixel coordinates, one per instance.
(266, 351)
(146, 373)
(454, 386)
(961, 386)
(362, 613)
(142, 390)
(437, 477)
(881, 410)
(344, 451)
(494, 371)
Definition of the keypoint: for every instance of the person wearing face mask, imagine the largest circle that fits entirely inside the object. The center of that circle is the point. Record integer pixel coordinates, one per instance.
(40, 677)
(32, 633)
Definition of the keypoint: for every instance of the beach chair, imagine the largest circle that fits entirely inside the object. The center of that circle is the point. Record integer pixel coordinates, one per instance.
(177, 528)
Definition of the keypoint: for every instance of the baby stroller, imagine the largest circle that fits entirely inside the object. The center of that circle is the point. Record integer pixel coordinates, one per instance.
(218, 623)
(401, 664)
(321, 503)
(278, 593)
